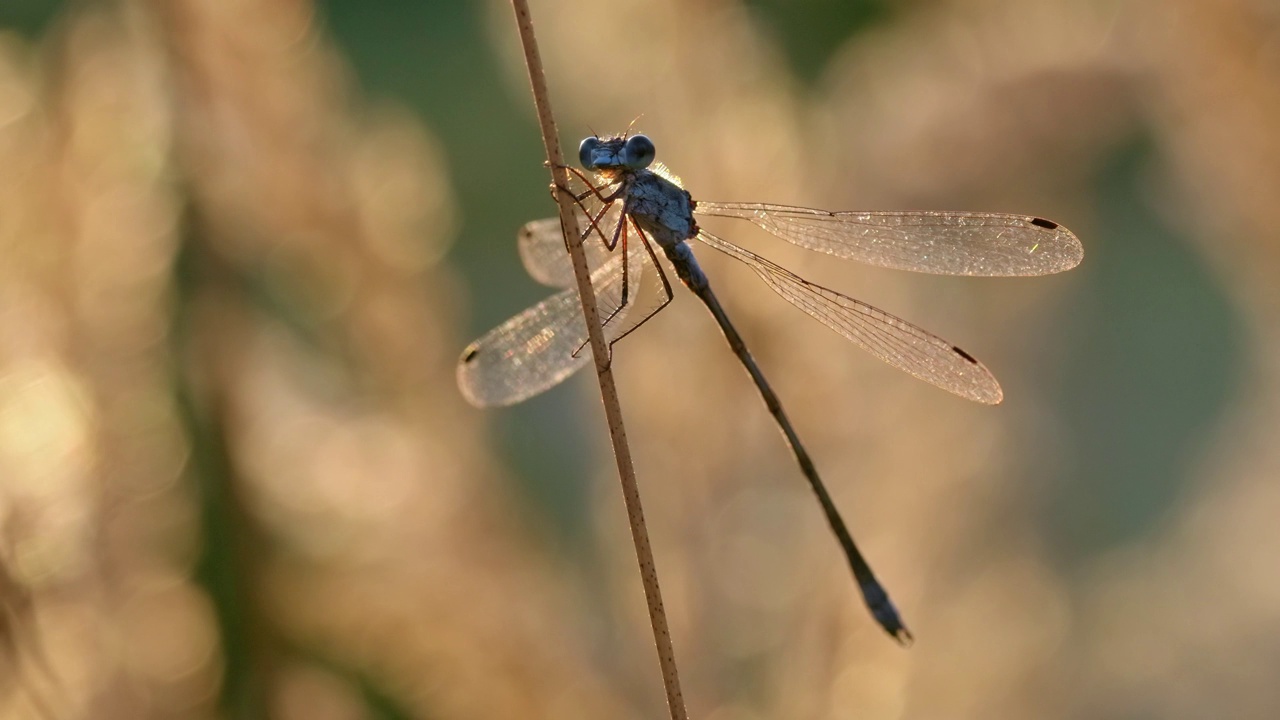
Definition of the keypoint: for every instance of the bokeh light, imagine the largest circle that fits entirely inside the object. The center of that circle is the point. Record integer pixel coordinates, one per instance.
(244, 243)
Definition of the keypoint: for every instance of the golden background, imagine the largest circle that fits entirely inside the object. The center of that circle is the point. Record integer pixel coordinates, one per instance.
(243, 243)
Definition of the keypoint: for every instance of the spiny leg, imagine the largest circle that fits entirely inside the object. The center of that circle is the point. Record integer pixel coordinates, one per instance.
(618, 231)
(621, 231)
(662, 275)
(592, 188)
(620, 234)
(593, 221)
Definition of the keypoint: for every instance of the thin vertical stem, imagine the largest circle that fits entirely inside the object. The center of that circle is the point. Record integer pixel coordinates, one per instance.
(608, 391)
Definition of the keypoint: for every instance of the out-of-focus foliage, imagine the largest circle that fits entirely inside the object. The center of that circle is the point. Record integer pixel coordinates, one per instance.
(242, 243)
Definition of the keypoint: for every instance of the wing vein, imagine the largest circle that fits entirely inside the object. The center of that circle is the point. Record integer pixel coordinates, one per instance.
(890, 338)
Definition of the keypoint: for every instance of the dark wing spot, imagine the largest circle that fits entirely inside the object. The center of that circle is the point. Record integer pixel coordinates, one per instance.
(1046, 224)
(965, 355)
(470, 354)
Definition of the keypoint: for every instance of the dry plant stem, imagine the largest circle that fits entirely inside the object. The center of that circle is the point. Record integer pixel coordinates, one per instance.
(608, 392)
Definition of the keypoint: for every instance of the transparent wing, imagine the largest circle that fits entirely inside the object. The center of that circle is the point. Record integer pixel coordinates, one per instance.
(542, 346)
(543, 252)
(889, 338)
(526, 355)
(944, 243)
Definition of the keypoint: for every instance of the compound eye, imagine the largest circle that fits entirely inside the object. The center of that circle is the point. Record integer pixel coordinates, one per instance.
(638, 152)
(585, 150)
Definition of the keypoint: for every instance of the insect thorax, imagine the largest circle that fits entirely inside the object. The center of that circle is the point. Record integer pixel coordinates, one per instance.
(661, 208)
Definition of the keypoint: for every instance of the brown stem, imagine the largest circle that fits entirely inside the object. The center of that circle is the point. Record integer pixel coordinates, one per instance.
(608, 392)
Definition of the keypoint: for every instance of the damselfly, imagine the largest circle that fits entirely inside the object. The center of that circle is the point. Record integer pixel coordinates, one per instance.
(627, 206)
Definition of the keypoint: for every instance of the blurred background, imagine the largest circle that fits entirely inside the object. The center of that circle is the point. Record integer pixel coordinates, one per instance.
(243, 244)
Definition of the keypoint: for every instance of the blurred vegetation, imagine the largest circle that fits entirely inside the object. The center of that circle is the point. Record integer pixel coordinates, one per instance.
(245, 242)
